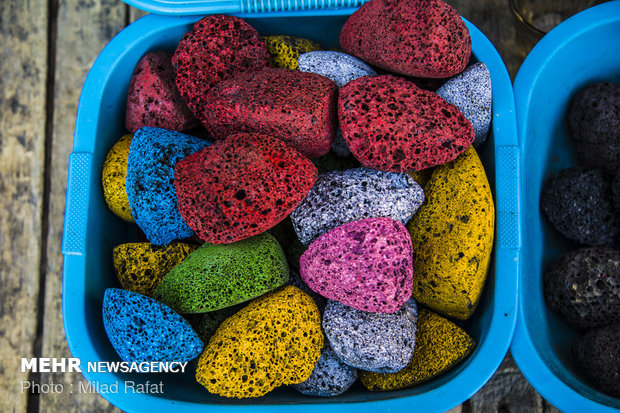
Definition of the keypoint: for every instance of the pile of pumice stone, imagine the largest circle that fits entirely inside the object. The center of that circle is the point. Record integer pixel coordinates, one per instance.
(309, 217)
(582, 203)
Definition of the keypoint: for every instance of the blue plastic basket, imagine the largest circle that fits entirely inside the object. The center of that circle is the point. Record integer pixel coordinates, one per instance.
(91, 231)
(582, 50)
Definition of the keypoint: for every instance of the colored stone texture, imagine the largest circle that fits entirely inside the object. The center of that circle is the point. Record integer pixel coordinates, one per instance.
(153, 98)
(594, 119)
(584, 286)
(140, 266)
(330, 377)
(579, 203)
(366, 264)
(341, 197)
(297, 107)
(471, 92)
(440, 344)
(284, 51)
(151, 191)
(597, 352)
(295, 279)
(452, 236)
(390, 124)
(241, 186)
(339, 67)
(383, 343)
(206, 324)
(143, 329)
(421, 38)
(275, 340)
(421, 177)
(217, 276)
(217, 47)
(113, 177)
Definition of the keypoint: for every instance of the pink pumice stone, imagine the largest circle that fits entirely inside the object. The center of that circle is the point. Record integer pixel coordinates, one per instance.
(365, 264)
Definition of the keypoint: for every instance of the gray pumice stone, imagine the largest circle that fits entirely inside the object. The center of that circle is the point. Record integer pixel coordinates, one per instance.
(377, 342)
(330, 376)
(340, 197)
(471, 92)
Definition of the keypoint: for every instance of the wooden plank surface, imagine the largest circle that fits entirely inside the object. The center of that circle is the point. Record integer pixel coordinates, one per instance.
(22, 153)
(83, 29)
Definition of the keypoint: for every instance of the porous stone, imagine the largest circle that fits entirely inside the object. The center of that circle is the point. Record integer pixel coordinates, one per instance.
(597, 353)
(422, 177)
(275, 340)
(339, 67)
(150, 184)
(241, 186)
(578, 202)
(452, 236)
(217, 276)
(440, 345)
(471, 92)
(140, 266)
(153, 98)
(365, 264)
(216, 48)
(295, 280)
(421, 38)
(378, 342)
(330, 377)
(297, 107)
(584, 286)
(390, 124)
(615, 192)
(114, 176)
(286, 50)
(594, 119)
(206, 324)
(341, 197)
(143, 329)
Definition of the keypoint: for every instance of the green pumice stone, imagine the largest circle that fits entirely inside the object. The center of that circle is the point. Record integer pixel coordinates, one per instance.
(221, 275)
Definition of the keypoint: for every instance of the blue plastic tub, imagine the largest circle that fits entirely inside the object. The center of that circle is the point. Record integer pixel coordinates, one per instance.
(583, 50)
(91, 231)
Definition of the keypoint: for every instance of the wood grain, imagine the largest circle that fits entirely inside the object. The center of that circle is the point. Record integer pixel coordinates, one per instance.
(83, 29)
(22, 152)
(494, 19)
(134, 14)
(507, 392)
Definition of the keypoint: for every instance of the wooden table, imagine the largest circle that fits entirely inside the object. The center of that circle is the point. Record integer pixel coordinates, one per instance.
(48, 47)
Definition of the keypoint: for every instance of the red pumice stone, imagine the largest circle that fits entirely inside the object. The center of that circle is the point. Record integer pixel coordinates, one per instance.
(421, 38)
(390, 124)
(217, 48)
(153, 98)
(297, 107)
(241, 186)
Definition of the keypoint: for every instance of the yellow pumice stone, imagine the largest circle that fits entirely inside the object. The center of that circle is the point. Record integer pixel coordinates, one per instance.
(113, 178)
(452, 237)
(440, 344)
(285, 50)
(421, 177)
(275, 340)
(140, 266)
